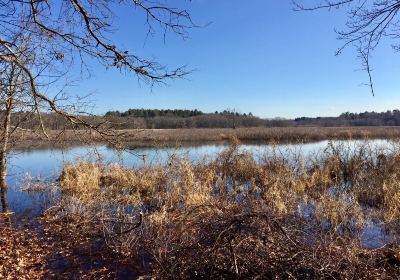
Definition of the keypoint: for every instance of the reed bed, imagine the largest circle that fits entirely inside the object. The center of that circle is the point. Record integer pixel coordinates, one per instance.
(274, 217)
(261, 134)
(155, 137)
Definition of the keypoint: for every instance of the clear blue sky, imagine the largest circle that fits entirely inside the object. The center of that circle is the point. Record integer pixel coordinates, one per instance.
(256, 56)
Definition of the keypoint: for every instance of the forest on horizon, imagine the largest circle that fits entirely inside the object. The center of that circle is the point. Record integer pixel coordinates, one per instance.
(180, 118)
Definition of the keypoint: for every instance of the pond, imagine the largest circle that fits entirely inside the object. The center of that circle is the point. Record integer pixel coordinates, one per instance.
(44, 165)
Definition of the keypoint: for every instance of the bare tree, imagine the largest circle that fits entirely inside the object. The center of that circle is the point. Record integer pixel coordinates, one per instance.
(41, 40)
(368, 23)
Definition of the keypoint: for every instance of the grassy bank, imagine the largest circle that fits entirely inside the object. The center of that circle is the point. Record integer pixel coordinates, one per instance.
(263, 134)
(173, 136)
(237, 218)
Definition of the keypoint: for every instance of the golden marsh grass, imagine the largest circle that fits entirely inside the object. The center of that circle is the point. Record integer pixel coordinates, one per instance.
(237, 217)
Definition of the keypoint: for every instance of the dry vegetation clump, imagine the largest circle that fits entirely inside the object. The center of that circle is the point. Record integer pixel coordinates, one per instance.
(80, 178)
(225, 243)
(236, 217)
(391, 199)
(319, 178)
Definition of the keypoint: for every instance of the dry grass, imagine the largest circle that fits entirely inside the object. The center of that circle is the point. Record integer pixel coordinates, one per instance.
(234, 217)
(156, 137)
(262, 134)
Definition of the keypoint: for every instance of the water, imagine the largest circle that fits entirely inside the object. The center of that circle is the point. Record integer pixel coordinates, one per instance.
(46, 164)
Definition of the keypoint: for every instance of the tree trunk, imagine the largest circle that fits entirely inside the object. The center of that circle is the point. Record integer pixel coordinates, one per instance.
(3, 154)
(3, 198)
(3, 168)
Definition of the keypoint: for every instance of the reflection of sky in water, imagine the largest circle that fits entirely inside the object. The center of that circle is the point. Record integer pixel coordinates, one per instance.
(47, 163)
(374, 236)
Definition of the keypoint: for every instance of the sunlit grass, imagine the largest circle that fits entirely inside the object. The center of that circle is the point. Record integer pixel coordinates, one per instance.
(236, 216)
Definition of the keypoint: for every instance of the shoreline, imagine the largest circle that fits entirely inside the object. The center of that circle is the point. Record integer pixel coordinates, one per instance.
(177, 137)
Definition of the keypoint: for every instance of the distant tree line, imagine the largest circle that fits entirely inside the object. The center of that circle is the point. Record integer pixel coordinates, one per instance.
(388, 118)
(155, 118)
(231, 119)
(170, 119)
(151, 113)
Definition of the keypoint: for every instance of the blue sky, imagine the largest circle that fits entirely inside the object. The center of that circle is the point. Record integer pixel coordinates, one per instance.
(256, 56)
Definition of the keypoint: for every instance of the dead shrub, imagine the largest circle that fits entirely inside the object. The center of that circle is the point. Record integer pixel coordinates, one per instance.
(80, 178)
